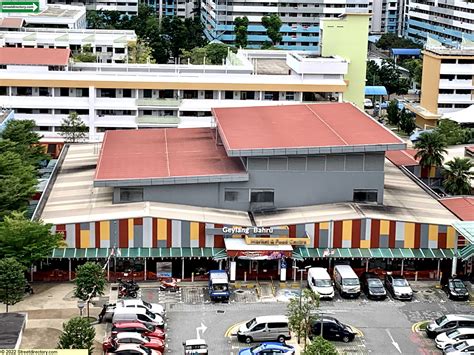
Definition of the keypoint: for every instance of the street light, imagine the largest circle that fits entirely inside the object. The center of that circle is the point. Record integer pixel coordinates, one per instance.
(301, 287)
(80, 305)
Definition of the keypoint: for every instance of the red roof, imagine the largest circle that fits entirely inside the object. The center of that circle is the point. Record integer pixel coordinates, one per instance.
(299, 126)
(404, 157)
(463, 207)
(11, 22)
(163, 153)
(34, 56)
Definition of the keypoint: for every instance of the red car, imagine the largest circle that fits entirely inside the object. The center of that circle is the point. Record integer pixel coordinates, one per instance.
(114, 342)
(137, 327)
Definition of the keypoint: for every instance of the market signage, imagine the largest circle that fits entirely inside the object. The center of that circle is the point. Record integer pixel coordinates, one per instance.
(277, 241)
(247, 231)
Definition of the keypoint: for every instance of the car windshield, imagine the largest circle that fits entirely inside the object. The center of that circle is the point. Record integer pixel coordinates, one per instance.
(440, 320)
(400, 282)
(322, 283)
(458, 284)
(145, 338)
(350, 282)
(150, 327)
(251, 323)
(220, 287)
(453, 334)
(374, 283)
(460, 346)
(145, 349)
(150, 314)
(146, 304)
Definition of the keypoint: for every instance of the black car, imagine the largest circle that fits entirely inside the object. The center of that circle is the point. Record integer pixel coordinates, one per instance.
(373, 286)
(332, 330)
(399, 287)
(455, 289)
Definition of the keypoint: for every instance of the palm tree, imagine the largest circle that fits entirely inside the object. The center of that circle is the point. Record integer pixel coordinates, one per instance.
(457, 176)
(431, 147)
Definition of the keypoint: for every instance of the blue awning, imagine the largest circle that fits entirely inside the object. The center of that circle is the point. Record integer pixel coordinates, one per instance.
(375, 90)
(406, 51)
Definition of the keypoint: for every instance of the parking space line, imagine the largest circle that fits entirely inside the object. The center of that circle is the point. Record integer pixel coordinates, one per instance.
(232, 328)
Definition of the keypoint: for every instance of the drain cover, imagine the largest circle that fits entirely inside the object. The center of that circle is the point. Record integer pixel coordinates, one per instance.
(239, 291)
(220, 311)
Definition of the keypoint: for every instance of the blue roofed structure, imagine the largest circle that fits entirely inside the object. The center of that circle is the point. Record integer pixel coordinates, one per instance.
(406, 51)
(375, 91)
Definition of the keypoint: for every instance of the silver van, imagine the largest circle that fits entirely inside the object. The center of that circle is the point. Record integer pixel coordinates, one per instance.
(137, 314)
(449, 322)
(346, 281)
(266, 328)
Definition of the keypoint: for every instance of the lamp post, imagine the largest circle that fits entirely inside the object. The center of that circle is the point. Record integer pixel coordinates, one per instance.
(301, 288)
(80, 305)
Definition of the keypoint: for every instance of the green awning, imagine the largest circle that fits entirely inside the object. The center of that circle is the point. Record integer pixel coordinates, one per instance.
(93, 253)
(374, 253)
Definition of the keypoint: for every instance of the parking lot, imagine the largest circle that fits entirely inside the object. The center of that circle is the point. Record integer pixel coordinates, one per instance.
(385, 326)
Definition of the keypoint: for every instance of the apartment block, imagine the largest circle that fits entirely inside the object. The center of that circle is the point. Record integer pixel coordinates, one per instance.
(125, 7)
(386, 17)
(301, 19)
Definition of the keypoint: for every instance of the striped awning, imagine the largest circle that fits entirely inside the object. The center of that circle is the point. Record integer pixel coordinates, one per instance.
(373, 253)
(93, 253)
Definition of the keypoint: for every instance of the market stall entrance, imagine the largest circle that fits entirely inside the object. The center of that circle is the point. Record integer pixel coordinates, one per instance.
(254, 261)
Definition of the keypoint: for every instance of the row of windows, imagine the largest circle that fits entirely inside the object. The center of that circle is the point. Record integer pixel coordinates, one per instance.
(442, 105)
(467, 9)
(457, 61)
(424, 30)
(441, 15)
(457, 91)
(455, 77)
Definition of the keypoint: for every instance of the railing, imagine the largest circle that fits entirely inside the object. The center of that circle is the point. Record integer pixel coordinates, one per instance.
(157, 120)
(159, 102)
(49, 186)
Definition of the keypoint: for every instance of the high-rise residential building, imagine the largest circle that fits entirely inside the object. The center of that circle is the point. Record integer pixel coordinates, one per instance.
(301, 19)
(179, 8)
(125, 7)
(386, 17)
(448, 21)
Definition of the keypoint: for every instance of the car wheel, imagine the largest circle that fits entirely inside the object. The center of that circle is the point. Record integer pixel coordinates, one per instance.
(281, 339)
(345, 339)
(248, 340)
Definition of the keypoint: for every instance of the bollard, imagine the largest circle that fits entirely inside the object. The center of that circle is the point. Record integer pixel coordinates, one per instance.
(416, 276)
(245, 276)
(192, 277)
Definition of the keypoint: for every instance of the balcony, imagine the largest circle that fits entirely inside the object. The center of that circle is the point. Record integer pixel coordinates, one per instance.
(165, 103)
(157, 121)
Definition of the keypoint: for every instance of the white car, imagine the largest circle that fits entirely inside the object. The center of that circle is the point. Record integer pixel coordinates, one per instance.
(133, 349)
(454, 336)
(139, 303)
(462, 348)
(368, 103)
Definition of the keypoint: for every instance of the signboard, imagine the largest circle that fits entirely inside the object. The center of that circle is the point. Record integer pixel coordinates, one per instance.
(259, 254)
(277, 241)
(228, 231)
(19, 6)
(164, 269)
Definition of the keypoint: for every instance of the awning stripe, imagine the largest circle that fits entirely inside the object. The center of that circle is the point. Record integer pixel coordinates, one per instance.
(97, 253)
(376, 253)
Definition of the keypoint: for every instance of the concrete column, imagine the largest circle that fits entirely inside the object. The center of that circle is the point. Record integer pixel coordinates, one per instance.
(91, 113)
(454, 266)
(260, 97)
(233, 268)
(144, 269)
(70, 270)
(367, 265)
(219, 95)
(438, 270)
(403, 264)
(182, 268)
(108, 270)
(220, 264)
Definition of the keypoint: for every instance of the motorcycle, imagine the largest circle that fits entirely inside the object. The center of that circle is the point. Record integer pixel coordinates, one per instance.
(128, 289)
(29, 289)
(169, 284)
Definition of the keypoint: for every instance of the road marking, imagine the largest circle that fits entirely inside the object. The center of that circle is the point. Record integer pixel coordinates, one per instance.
(202, 328)
(394, 343)
(232, 329)
(415, 328)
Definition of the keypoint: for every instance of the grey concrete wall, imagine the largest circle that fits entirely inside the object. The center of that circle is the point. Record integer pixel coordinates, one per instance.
(298, 181)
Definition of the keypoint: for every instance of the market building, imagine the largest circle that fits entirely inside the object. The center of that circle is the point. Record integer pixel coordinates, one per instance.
(265, 188)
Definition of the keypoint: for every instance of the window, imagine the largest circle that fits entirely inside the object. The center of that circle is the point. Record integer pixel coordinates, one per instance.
(64, 92)
(131, 194)
(208, 94)
(463, 92)
(229, 95)
(127, 92)
(271, 95)
(247, 95)
(119, 50)
(23, 91)
(231, 195)
(446, 91)
(190, 94)
(147, 94)
(365, 195)
(290, 96)
(43, 92)
(108, 93)
(277, 325)
(3, 91)
(260, 326)
(166, 94)
(448, 61)
(262, 196)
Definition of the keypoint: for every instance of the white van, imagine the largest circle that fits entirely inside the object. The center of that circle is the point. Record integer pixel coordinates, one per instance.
(266, 328)
(346, 281)
(140, 314)
(320, 282)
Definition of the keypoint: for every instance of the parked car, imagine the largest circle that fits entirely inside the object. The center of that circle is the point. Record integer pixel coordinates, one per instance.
(137, 327)
(114, 342)
(368, 103)
(134, 349)
(195, 347)
(265, 328)
(332, 330)
(373, 286)
(346, 281)
(133, 303)
(455, 289)
(136, 313)
(454, 336)
(320, 282)
(268, 348)
(449, 322)
(399, 287)
(462, 348)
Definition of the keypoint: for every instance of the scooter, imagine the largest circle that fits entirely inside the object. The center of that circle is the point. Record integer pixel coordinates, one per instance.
(170, 284)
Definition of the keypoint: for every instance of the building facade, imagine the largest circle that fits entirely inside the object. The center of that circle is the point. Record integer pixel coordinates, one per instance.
(386, 16)
(445, 21)
(110, 46)
(301, 21)
(125, 7)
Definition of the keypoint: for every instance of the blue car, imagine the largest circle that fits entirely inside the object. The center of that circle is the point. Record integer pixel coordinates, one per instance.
(268, 349)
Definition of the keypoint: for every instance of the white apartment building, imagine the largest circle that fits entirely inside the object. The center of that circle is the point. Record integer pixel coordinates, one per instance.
(110, 46)
(111, 96)
(126, 7)
(448, 21)
(387, 16)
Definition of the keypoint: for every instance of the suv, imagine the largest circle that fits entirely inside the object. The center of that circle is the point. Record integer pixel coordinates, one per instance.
(332, 330)
(399, 287)
(449, 322)
(373, 286)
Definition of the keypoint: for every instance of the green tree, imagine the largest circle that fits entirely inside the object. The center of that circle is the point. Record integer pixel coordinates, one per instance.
(78, 333)
(393, 114)
(372, 73)
(95, 19)
(90, 282)
(390, 78)
(86, 55)
(12, 282)
(17, 183)
(25, 240)
(453, 132)
(273, 24)
(176, 33)
(431, 148)
(140, 52)
(214, 53)
(241, 31)
(301, 313)
(26, 141)
(391, 40)
(320, 346)
(407, 122)
(73, 129)
(415, 66)
(457, 176)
